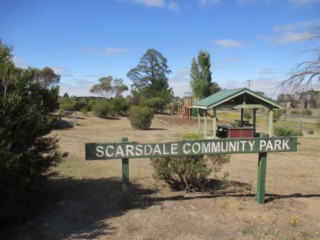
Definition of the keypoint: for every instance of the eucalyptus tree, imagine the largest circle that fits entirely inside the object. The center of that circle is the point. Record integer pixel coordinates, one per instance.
(109, 87)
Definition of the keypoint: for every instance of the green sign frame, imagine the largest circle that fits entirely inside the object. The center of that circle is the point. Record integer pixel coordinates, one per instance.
(125, 150)
(101, 151)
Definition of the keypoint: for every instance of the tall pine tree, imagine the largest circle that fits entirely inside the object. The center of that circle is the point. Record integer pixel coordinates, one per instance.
(149, 77)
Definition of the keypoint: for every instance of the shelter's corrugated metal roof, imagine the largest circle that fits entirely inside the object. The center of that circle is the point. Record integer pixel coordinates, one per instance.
(226, 95)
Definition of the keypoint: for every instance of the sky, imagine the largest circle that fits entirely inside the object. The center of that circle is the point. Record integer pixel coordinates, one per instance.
(252, 43)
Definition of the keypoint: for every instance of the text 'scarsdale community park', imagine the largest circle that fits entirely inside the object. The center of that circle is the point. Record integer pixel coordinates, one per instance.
(96, 151)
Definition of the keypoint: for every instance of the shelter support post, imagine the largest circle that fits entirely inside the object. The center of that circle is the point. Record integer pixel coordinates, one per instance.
(199, 121)
(270, 122)
(214, 123)
(242, 113)
(254, 120)
(206, 124)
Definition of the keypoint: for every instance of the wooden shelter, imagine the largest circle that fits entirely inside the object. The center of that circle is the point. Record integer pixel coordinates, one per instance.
(240, 98)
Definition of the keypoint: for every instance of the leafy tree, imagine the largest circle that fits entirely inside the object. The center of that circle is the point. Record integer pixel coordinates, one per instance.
(109, 87)
(26, 151)
(157, 104)
(150, 75)
(46, 77)
(201, 81)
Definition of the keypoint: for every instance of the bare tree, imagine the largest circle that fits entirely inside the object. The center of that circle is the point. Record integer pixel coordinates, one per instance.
(306, 75)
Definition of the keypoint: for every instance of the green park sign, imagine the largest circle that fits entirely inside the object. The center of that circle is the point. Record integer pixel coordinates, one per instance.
(125, 150)
(99, 151)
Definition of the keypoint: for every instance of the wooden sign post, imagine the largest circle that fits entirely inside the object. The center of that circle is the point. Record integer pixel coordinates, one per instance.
(125, 150)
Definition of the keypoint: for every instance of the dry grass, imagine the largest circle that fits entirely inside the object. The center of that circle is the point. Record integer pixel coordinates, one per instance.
(84, 198)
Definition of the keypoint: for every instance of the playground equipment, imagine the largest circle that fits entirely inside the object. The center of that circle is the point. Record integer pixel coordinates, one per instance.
(185, 109)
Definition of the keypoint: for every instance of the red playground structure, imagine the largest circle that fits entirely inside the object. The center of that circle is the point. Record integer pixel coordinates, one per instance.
(185, 106)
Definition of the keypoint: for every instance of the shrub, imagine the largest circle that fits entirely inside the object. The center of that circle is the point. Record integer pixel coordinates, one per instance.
(66, 104)
(188, 173)
(120, 106)
(193, 136)
(306, 111)
(287, 132)
(140, 117)
(27, 152)
(157, 104)
(317, 123)
(103, 109)
(277, 114)
(295, 112)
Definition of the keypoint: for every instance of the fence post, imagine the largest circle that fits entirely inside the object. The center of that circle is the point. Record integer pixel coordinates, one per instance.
(262, 170)
(125, 179)
(75, 118)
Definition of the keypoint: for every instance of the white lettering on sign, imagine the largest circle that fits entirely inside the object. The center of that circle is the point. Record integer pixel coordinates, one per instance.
(174, 148)
(186, 148)
(127, 150)
(99, 151)
(107, 151)
(276, 145)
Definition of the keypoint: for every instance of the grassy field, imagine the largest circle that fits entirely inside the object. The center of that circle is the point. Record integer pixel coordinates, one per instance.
(83, 201)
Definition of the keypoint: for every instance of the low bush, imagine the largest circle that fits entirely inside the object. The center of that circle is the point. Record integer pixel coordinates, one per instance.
(140, 117)
(120, 106)
(277, 114)
(188, 173)
(306, 111)
(287, 132)
(103, 109)
(157, 104)
(294, 112)
(318, 123)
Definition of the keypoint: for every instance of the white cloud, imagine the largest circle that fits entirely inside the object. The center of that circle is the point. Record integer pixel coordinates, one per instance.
(228, 43)
(184, 71)
(204, 3)
(170, 5)
(302, 2)
(63, 71)
(111, 50)
(231, 60)
(173, 6)
(107, 50)
(291, 27)
(20, 62)
(246, 2)
(180, 83)
(77, 87)
(288, 37)
(295, 32)
(148, 3)
(226, 62)
(269, 71)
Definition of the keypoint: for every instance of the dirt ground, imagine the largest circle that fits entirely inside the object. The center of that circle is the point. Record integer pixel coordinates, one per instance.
(83, 201)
